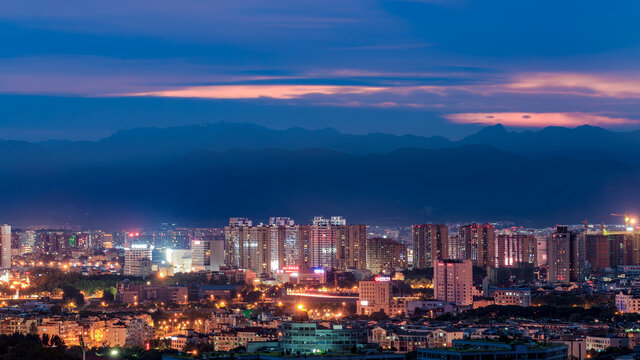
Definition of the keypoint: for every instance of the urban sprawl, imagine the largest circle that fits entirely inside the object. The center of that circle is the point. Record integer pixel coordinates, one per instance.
(280, 290)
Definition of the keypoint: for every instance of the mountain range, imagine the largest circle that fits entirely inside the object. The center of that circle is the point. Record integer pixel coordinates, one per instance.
(204, 174)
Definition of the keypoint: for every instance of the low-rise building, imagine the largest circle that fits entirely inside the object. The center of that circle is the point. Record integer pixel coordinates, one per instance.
(493, 350)
(512, 296)
(307, 338)
(379, 295)
(628, 303)
(600, 343)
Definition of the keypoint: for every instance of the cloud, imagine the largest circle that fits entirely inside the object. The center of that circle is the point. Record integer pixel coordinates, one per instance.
(383, 47)
(521, 119)
(590, 85)
(258, 91)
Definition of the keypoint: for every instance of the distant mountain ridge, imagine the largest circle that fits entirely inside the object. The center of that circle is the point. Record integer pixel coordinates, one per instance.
(158, 145)
(201, 175)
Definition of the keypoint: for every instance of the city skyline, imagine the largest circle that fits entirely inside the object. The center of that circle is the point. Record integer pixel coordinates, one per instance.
(319, 180)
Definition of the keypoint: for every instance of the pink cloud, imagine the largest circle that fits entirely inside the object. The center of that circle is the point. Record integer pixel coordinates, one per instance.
(259, 91)
(623, 87)
(521, 119)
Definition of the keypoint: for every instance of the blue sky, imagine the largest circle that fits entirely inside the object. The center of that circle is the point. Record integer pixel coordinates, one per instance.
(85, 69)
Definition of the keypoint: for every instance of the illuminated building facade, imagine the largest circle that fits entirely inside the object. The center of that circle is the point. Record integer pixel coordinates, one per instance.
(566, 256)
(430, 242)
(514, 248)
(5, 242)
(383, 253)
(453, 281)
(378, 295)
(479, 243)
(515, 297)
(137, 260)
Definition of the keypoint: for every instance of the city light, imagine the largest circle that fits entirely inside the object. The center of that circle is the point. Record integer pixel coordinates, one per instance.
(320, 180)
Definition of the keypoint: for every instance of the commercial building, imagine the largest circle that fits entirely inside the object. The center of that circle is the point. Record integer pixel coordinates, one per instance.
(453, 281)
(201, 255)
(305, 338)
(137, 260)
(379, 295)
(128, 293)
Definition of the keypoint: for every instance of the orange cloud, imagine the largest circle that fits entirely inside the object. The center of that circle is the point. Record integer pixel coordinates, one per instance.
(259, 91)
(575, 84)
(521, 119)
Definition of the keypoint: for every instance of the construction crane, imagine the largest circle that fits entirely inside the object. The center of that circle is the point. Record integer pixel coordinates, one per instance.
(627, 218)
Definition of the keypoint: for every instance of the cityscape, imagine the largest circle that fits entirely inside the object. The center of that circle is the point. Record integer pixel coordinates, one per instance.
(326, 288)
(319, 180)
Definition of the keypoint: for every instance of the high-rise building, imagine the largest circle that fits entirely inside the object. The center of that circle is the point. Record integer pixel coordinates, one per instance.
(236, 239)
(281, 221)
(323, 241)
(137, 260)
(207, 255)
(455, 247)
(541, 250)
(480, 244)
(107, 241)
(515, 248)
(383, 253)
(610, 250)
(264, 248)
(5, 242)
(351, 246)
(453, 281)
(304, 247)
(284, 250)
(27, 241)
(257, 253)
(566, 256)
(240, 221)
(328, 243)
(430, 242)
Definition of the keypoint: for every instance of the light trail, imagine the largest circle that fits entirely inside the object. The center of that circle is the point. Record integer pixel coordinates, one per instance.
(325, 296)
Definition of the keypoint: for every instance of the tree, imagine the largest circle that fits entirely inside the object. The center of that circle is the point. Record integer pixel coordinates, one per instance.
(33, 328)
(108, 294)
(45, 340)
(56, 341)
(379, 316)
(71, 294)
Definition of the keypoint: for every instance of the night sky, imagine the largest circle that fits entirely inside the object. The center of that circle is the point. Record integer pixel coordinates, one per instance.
(85, 69)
